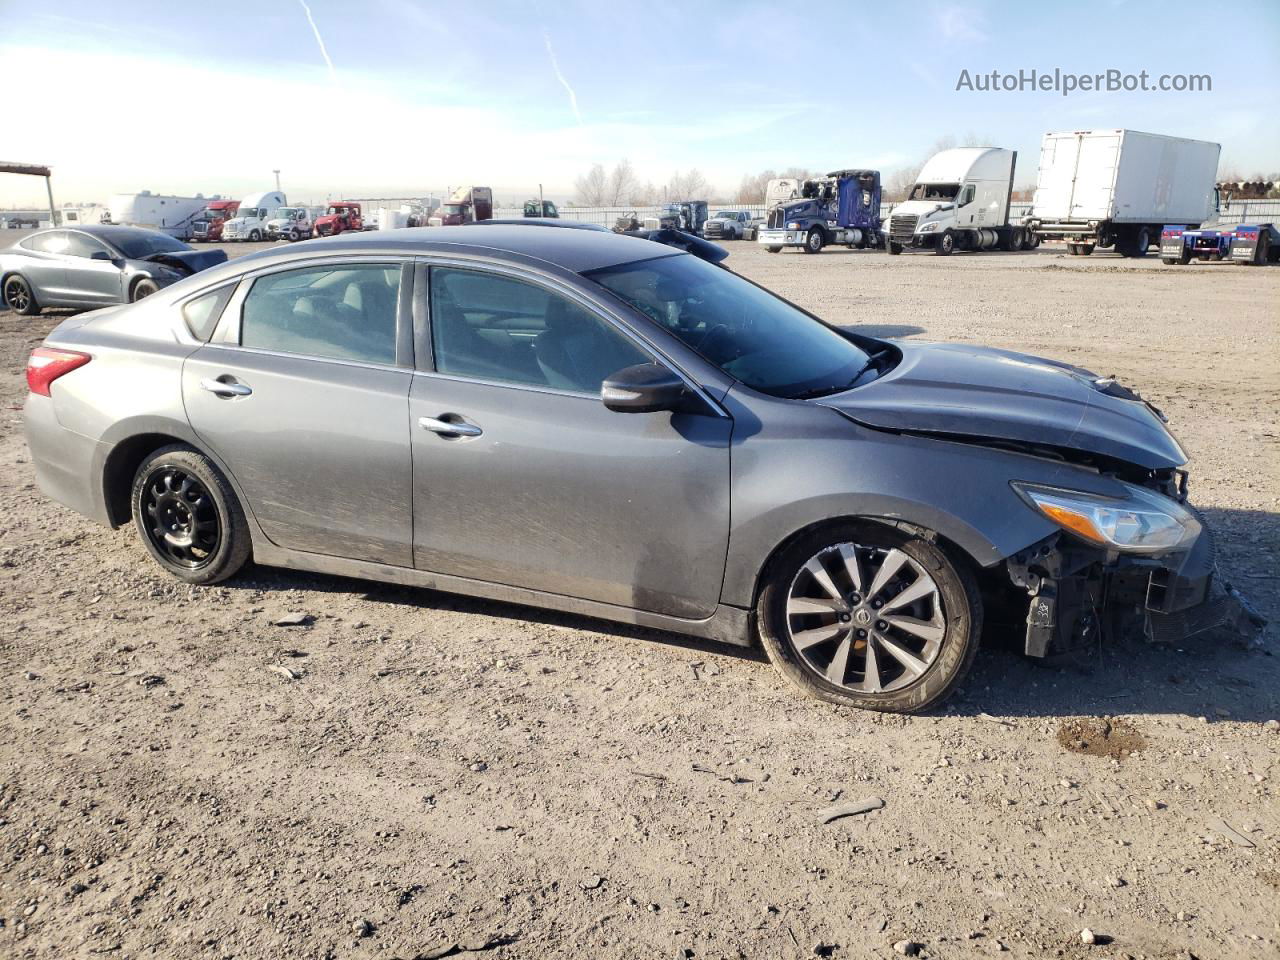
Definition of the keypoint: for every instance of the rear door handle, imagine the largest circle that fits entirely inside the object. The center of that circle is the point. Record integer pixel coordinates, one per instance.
(449, 428)
(223, 389)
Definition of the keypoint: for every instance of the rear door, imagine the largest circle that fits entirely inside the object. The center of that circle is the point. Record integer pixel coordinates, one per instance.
(303, 394)
(551, 491)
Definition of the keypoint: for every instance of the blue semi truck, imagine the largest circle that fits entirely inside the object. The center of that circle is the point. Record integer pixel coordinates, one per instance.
(842, 207)
(1248, 243)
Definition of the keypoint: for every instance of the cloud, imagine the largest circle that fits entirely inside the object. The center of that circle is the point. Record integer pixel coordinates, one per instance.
(959, 23)
(573, 97)
(319, 40)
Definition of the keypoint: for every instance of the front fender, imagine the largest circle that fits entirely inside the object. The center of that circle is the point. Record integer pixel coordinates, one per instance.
(811, 465)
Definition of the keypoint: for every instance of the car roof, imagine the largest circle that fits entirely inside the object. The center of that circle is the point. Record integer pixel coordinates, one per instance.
(112, 232)
(575, 250)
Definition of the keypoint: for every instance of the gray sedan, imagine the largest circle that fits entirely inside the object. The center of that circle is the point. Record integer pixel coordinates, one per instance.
(93, 266)
(592, 423)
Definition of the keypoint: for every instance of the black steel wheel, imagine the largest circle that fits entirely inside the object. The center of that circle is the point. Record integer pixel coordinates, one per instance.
(867, 615)
(18, 295)
(189, 517)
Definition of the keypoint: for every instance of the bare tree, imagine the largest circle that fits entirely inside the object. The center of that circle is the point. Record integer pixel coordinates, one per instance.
(687, 186)
(622, 185)
(645, 195)
(592, 187)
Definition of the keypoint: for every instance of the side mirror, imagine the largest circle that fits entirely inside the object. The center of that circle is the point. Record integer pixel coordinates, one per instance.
(99, 255)
(644, 388)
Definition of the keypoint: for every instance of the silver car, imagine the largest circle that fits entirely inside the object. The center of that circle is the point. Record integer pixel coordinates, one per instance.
(92, 266)
(600, 424)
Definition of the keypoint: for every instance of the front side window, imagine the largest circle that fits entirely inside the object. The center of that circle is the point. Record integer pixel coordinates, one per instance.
(493, 327)
(82, 245)
(339, 312)
(746, 331)
(967, 196)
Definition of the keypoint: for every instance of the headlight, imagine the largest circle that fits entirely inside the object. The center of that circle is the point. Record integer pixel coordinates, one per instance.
(793, 226)
(929, 227)
(1141, 522)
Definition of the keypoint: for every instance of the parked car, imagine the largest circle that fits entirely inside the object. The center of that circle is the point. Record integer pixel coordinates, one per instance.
(592, 423)
(95, 266)
(730, 225)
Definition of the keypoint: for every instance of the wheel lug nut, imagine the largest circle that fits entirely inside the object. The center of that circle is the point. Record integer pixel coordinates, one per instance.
(845, 618)
(881, 625)
(862, 634)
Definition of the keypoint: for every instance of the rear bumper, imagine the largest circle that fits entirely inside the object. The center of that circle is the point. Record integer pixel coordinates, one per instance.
(67, 464)
(1079, 595)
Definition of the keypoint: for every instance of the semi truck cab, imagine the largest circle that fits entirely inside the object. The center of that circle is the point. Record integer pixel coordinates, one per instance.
(842, 207)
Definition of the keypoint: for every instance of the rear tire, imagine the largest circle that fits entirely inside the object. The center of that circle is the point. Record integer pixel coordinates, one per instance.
(19, 296)
(188, 516)
(810, 607)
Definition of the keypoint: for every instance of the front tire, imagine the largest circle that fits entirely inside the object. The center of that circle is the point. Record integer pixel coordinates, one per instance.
(946, 244)
(865, 615)
(814, 241)
(774, 249)
(20, 297)
(255, 236)
(894, 248)
(188, 516)
(144, 288)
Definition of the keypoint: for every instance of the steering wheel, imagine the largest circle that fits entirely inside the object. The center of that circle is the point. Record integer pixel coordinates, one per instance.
(706, 345)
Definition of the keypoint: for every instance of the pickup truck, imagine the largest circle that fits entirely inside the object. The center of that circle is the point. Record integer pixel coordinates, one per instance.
(730, 225)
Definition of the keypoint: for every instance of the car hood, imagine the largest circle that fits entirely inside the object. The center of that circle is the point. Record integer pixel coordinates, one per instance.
(979, 393)
(188, 261)
(920, 208)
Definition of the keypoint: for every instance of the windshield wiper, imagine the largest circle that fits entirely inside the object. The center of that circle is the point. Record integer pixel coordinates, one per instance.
(871, 362)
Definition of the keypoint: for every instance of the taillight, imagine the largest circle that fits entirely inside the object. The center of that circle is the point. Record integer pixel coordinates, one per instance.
(47, 365)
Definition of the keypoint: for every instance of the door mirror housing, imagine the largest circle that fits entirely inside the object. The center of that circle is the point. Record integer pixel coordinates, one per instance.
(643, 388)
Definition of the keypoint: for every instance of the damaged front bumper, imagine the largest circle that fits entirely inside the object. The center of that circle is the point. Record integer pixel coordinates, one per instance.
(1081, 594)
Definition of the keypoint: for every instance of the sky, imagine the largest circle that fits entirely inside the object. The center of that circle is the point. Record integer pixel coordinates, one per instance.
(408, 97)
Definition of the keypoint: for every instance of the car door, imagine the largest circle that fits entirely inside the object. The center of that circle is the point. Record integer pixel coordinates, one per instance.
(45, 265)
(521, 476)
(93, 271)
(303, 392)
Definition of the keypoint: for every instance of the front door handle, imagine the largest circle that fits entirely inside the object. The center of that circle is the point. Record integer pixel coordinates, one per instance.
(223, 389)
(449, 428)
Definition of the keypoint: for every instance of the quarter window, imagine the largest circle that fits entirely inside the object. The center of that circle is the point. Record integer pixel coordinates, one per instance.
(345, 312)
(495, 328)
(201, 314)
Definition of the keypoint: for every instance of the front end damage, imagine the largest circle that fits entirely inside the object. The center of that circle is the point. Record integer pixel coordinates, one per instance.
(1080, 594)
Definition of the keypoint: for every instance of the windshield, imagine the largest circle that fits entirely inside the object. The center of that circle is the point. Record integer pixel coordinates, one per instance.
(250, 213)
(934, 191)
(455, 208)
(142, 245)
(727, 215)
(220, 214)
(745, 331)
(286, 213)
(337, 211)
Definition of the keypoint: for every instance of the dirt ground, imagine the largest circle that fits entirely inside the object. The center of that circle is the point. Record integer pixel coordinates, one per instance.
(449, 776)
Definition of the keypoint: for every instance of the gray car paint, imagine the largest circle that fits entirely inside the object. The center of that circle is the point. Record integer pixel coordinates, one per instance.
(521, 527)
(63, 280)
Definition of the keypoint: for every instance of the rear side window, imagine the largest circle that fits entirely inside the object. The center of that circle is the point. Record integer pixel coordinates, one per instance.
(339, 312)
(201, 314)
(54, 241)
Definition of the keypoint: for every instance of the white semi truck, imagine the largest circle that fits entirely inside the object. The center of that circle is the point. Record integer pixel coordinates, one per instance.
(250, 221)
(1104, 188)
(960, 201)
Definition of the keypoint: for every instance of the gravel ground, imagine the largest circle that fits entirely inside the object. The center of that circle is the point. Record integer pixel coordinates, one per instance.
(414, 775)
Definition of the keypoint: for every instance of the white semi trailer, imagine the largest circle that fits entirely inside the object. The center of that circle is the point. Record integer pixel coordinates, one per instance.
(960, 201)
(1104, 188)
(169, 214)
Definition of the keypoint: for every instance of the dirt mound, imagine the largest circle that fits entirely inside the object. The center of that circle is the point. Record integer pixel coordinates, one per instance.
(1099, 737)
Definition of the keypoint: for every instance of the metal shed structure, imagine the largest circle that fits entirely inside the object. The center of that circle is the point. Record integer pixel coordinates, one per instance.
(35, 170)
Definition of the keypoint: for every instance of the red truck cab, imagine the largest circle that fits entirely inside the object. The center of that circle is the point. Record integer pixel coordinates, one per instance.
(339, 218)
(209, 226)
